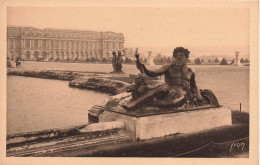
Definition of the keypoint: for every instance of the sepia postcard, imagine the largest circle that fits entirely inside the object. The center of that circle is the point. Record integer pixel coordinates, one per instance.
(129, 82)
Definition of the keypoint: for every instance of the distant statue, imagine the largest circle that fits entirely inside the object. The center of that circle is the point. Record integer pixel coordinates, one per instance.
(17, 62)
(117, 61)
(114, 60)
(8, 63)
(179, 89)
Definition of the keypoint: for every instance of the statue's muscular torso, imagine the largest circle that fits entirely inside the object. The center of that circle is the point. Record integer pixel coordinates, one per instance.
(183, 77)
(179, 77)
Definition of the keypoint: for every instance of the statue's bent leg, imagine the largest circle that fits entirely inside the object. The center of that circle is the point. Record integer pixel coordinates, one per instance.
(175, 98)
(176, 102)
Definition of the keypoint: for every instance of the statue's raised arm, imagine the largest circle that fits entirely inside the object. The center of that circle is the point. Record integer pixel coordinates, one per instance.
(148, 72)
(139, 65)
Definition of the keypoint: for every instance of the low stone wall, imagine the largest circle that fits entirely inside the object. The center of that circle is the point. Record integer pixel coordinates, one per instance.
(106, 83)
(21, 138)
(59, 140)
(38, 136)
(48, 74)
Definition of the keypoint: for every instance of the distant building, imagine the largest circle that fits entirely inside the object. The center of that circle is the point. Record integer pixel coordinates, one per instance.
(30, 43)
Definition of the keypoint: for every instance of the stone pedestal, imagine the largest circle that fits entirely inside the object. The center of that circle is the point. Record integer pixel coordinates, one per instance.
(171, 122)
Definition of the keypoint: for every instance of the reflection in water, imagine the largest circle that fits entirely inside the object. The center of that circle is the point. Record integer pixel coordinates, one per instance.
(37, 104)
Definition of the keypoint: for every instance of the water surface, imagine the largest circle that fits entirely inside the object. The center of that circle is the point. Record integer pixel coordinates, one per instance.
(36, 104)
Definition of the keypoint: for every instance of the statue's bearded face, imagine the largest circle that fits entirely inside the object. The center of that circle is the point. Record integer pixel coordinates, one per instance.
(180, 58)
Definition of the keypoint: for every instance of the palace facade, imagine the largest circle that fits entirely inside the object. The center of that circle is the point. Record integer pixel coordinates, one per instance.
(30, 43)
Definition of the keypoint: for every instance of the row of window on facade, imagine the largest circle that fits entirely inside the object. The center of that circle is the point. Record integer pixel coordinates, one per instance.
(61, 55)
(89, 45)
(63, 35)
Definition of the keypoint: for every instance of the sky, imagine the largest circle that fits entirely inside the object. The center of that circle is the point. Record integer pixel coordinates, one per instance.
(149, 27)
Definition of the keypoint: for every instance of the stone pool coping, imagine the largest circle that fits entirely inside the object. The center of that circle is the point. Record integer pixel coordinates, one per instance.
(97, 81)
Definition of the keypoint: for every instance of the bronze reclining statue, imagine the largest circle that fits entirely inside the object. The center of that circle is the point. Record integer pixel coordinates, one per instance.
(179, 89)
